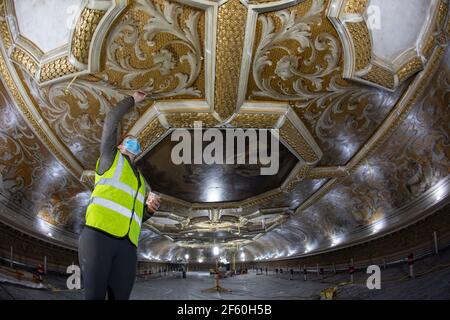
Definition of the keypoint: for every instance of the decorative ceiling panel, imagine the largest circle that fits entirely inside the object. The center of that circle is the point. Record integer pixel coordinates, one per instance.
(367, 27)
(34, 188)
(158, 47)
(76, 115)
(41, 32)
(296, 55)
(415, 160)
(220, 183)
(364, 130)
(342, 120)
(82, 28)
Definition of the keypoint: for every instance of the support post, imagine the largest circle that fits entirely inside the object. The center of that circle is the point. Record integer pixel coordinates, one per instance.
(11, 257)
(410, 260)
(234, 263)
(436, 245)
(353, 270)
(45, 264)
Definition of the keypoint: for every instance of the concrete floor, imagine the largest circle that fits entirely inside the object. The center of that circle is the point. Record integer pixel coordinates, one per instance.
(244, 287)
(433, 282)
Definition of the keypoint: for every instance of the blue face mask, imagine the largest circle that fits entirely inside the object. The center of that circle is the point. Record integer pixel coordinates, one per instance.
(132, 146)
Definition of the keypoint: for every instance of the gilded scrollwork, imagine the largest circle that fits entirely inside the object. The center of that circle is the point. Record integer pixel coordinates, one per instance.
(405, 167)
(156, 46)
(419, 155)
(415, 158)
(381, 150)
(295, 56)
(342, 119)
(29, 174)
(76, 114)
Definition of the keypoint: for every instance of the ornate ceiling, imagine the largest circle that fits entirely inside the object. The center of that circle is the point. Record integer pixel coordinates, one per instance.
(359, 90)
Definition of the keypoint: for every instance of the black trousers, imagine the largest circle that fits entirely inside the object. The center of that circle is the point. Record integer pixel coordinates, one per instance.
(108, 265)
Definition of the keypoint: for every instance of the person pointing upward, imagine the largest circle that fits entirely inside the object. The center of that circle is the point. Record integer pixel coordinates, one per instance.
(120, 202)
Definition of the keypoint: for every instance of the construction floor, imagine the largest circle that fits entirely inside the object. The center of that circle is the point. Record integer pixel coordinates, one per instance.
(432, 282)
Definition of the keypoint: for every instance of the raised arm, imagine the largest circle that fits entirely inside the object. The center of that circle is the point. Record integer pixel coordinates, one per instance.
(110, 134)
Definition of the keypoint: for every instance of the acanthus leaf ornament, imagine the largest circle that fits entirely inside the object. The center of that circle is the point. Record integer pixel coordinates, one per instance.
(292, 78)
(139, 60)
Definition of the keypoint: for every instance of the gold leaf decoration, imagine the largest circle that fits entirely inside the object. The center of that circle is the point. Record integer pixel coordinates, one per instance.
(411, 67)
(152, 132)
(157, 47)
(255, 120)
(380, 76)
(291, 135)
(296, 54)
(187, 119)
(84, 31)
(230, 42)
(356, 6)
(25, 60)
(363, 45)
(56, 69)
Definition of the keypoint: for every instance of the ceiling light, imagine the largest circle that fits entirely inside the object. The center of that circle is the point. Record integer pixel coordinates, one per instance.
(377, 226)
(335, 240)
(309, 247)
(216, 250)
(440, 192)
(213, 194)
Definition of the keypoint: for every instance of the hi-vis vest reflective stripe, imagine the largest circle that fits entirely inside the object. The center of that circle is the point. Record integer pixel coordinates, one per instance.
(117, 202)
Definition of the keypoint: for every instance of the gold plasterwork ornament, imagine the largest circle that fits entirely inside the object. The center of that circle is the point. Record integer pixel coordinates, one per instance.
(24, 59)
(296, 53)
(84, 32)
(362, 44)
(187, 119)
(255, 120)
(360, 63)
(356, 6)
(230, 42)
(157, 47)
(81, 54)
(231, 64)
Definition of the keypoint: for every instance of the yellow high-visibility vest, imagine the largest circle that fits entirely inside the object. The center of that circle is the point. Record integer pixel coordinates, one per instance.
(116, 205)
